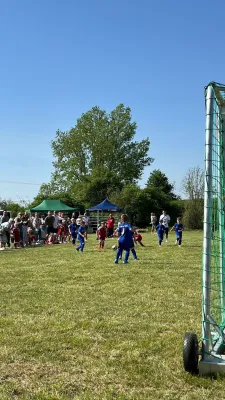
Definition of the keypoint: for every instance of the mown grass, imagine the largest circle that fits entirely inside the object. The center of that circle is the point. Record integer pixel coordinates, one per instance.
(76, 326)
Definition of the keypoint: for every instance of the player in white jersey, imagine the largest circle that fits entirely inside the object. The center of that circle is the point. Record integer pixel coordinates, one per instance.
(166, 220)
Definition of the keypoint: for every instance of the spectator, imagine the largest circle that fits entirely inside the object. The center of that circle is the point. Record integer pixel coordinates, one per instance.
(79, 220)
(110, 225)
(73, 231)
(19, 223)
(16, 236)
(6, 226)
(5, 218)
(61, 233)
(37, 227)
(56, 222)
(153, 223)
(86, 221)
(49, 222)
(60, 218)
(25, 224)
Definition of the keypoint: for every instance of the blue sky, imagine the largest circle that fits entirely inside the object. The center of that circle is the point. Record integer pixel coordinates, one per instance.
(60, 58)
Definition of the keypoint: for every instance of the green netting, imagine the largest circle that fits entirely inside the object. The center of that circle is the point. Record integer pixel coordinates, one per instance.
(215, 203)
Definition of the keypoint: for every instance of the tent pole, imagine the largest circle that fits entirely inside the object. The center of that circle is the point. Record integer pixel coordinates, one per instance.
(97, 219)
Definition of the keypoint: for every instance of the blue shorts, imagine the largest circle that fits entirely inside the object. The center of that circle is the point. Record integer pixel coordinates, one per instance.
(124, 246)
(74, 235)
(131, 244)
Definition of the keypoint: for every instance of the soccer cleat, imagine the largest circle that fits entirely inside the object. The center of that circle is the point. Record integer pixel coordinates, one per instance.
(125, 262)
(116, 262)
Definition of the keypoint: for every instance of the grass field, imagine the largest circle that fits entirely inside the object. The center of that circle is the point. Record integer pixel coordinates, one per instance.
(76, 326)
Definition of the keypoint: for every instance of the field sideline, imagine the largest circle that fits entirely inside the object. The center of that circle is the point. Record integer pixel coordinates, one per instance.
(76, 326)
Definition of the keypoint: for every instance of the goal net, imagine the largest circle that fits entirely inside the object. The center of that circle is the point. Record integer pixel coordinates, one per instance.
(213, 290)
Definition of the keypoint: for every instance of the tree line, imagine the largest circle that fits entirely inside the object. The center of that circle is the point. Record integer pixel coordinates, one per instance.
(99, 158)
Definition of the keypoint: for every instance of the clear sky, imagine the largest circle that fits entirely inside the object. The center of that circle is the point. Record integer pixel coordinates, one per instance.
(59, 58)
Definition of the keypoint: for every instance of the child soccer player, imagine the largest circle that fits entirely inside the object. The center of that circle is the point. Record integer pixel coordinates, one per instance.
(160, 231)
(102, 232)
(81, 236)
(73, 231)
(61, 233)
(133, 251)
(16, 236)
(178, 227)
(125, 233)
(138, 238)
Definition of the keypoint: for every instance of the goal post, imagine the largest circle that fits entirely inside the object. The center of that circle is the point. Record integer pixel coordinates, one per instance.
(212, 348)
(213, 268)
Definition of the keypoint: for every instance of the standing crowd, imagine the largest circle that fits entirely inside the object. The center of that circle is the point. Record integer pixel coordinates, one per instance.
(55, 228)
(25, 229)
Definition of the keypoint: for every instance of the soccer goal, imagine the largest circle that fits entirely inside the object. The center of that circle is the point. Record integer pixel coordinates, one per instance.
(208, 355)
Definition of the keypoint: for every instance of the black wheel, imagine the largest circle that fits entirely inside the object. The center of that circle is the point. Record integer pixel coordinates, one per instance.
(190, 353)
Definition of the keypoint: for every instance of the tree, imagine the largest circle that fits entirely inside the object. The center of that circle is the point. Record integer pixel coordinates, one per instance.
(159, 181)
(193, 187)
(96, 187)
(99, 140)
(193, 183)
(193, 214)
(9, 205)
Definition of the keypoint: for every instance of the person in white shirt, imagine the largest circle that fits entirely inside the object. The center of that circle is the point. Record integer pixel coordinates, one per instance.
(86, 221)
(165, 218)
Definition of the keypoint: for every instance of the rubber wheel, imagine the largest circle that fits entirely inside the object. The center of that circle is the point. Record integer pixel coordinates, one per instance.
(190, 353)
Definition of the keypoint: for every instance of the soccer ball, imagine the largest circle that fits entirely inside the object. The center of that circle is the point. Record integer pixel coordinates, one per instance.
(114, 247)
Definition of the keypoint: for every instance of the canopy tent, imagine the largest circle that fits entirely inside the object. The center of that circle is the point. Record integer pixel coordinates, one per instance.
(105, 205)
(53, 205)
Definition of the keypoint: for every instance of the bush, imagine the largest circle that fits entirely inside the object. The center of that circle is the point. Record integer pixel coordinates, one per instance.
(193, 214)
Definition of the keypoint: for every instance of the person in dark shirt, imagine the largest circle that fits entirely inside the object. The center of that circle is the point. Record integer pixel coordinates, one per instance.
(73, 231)
(49, 222)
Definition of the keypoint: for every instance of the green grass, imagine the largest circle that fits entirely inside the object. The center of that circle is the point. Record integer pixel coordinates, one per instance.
(76, 326)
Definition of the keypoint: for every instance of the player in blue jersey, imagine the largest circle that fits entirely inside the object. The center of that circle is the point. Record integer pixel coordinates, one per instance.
(178, 227)
(160, 229)
(125, 233)
(81, 236)
(73, 231)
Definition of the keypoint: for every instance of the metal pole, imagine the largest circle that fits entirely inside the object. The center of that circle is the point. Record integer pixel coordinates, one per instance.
(223, 202)
(220, 181)
(207, 219)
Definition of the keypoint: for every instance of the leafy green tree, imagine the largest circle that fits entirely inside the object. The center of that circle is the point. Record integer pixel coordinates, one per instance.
(9, 205)
(46, 193)
(193, 214)
(99, 140)
(159, 181)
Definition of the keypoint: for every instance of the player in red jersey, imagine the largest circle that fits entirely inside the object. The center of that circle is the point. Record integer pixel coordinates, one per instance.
(101, 232)
(138, 238)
